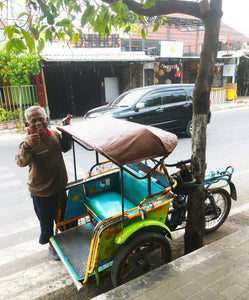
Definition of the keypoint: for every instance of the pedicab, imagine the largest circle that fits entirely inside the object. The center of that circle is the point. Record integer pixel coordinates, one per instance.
(119, 209)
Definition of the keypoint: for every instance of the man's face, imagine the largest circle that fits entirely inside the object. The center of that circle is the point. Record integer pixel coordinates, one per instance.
(37, 122)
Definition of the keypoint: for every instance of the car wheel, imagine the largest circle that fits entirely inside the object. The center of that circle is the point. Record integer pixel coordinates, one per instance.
(188, 130)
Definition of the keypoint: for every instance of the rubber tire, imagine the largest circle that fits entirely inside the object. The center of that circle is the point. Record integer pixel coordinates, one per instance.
(227, 200)
(188, 130)
(128, 247)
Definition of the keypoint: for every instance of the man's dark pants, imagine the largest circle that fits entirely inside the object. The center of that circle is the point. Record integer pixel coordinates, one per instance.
(45, 208)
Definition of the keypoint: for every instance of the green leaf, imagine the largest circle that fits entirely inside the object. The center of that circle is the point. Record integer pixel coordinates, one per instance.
(142, 19)
(98, 25)
(88, 13)
(117, 7)
(6, 29)
(9, 46)
(103, 14)
(50, 19)
(41, 45)
(143, 33)
(149, 3)
(127, 29)
(22, 14)
(76, 37)
(31, 44)
(42, 28)
(20, 45)
(34, 32)
(10, 33)
(48, 35)
(64, 22)
(70, 34)
(29, 40)
(156, 26)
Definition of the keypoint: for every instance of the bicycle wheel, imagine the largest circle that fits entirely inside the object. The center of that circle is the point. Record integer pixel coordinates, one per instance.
(139, 255)
(216, 216)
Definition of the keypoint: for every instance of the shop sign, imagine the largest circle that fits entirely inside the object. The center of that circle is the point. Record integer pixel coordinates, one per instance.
(228, 70)
(171, 49)
(149, 66)
(97, 41)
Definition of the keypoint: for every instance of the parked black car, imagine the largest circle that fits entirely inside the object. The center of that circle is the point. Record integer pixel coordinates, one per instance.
(166, 106)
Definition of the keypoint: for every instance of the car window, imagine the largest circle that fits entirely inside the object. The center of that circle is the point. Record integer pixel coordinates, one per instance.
(190, 93)
(173, 97)
(127, 99)
(152, 100)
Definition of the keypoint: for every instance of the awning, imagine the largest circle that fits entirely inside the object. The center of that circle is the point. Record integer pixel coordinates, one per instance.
(230, 54)
(93, 55)
(123, 142)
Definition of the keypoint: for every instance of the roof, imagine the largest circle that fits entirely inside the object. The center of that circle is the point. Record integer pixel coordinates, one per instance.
(123, 142)
(93, 55)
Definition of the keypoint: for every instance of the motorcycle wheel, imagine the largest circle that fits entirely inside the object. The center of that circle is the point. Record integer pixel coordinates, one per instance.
(139, 255)
(213, 220)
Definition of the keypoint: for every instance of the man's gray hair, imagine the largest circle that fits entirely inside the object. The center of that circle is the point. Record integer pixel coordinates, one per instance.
(32, 108)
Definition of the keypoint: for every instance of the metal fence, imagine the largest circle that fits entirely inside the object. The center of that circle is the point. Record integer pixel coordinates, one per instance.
(9, 100)
(218, 95)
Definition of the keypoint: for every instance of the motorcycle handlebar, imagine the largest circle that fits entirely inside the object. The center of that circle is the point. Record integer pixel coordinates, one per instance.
(179, 163)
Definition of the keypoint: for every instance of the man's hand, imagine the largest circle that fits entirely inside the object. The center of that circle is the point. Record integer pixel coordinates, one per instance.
(66, 121)
(32, 140)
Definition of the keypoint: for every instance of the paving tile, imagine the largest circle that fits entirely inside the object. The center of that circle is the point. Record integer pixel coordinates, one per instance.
(210, 278)
(233, 292)
(172, 296)
(229, 267)
(240, 278)
(209, 294)
(191, 288)
(221, 285)
(181, 279)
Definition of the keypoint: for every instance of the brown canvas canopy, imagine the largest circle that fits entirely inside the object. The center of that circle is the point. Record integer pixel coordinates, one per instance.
(123, 142)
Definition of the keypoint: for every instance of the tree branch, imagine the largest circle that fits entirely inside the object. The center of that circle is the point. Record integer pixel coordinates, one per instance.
(164, 7)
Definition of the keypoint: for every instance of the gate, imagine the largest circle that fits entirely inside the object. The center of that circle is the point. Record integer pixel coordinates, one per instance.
(9, 102)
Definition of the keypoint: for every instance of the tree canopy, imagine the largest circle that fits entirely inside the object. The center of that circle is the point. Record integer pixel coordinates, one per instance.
(65, 19)
(17, 69)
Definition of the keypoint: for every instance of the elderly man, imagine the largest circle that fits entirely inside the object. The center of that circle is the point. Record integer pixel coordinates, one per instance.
(41, 150)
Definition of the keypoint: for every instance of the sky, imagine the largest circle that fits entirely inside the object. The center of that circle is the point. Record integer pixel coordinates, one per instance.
(236, 14)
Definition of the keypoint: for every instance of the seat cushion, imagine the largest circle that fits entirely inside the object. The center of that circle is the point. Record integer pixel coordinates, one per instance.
(108, 204)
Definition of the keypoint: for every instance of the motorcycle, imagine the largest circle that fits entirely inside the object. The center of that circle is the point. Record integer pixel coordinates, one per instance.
(219, 190)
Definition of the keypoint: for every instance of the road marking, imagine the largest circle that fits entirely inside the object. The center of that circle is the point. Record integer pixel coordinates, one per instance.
(35, 282)
(10, 183)
(239, 209)
(239, 173)
(18, 227)
(7, 175)
(19, 251)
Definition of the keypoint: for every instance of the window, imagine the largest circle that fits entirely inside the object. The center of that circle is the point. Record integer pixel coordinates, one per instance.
(173, 97)
(152, 100)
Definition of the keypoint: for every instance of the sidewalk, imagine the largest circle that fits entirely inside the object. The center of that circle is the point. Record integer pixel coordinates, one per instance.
(238, 103)
(218, 271)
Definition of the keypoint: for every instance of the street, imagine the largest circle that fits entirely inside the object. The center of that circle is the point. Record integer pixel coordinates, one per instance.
(227, 144)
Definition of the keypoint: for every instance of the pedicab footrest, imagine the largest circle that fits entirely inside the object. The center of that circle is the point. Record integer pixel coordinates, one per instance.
(75, 246)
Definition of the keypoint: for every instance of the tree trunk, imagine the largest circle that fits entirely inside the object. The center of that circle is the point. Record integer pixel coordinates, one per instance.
(194, 231)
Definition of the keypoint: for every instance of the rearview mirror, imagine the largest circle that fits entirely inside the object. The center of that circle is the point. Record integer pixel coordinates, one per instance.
(140, 105)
